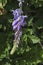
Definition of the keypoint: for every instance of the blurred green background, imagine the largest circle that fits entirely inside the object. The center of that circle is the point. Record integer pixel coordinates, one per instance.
(30, 50)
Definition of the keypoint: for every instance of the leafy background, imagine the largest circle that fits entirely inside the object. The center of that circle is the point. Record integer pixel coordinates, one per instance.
(30, 50)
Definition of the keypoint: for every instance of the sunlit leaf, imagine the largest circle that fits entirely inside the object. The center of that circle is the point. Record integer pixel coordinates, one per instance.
(34, 39)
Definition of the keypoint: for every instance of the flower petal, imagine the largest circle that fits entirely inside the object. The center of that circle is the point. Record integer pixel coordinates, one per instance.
(25, 16)
(14, 27)
(23, 23)
(17, 12)
(18, 28)
(16, 21)
(20, 33)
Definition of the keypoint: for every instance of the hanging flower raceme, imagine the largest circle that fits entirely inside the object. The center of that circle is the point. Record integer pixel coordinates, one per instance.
(18, 23)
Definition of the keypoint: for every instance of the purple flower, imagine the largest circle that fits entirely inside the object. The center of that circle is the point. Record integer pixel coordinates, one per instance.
(17, 13)
(17, 35)
(19, 28)
(19, 22)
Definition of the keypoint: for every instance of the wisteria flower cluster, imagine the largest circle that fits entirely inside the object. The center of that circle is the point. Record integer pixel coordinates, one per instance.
(18, 23)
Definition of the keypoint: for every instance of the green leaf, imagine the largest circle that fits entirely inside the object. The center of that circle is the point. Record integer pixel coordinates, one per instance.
(34, 39)
(7, 63)
(30, 21)
(25, 38)
(3, 3)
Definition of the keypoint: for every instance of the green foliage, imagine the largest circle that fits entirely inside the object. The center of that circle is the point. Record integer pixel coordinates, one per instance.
(30, 50)
(3, 3)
